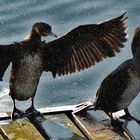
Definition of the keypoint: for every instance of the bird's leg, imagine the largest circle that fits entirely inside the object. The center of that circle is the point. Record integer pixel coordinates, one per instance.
(116, 124)
(128, 116)
(31, 109)
(111, 117)
(16, 112)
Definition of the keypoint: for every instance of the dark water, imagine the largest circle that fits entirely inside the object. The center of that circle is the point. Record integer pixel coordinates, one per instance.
(16, 19)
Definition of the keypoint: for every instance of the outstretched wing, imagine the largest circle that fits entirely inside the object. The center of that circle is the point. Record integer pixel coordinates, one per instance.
(84, 46)
(6, 53)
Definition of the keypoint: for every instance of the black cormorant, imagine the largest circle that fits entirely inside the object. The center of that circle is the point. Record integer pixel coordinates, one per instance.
(79, 49)
(119, 88)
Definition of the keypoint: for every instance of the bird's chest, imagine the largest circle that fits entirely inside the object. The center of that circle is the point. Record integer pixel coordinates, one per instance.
(26, 76)
(130, 92)
(30, 64)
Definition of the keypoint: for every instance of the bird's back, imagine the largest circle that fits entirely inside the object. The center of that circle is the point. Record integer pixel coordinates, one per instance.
(114, 87)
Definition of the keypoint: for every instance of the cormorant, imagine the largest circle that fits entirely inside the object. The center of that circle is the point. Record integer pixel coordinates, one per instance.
(120, 87)
(79, 49)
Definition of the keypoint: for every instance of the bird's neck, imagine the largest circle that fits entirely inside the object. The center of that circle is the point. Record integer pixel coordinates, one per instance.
(33, 35)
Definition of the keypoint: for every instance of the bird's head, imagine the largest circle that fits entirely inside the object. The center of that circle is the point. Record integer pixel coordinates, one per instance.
(136, 41)
(43, 29)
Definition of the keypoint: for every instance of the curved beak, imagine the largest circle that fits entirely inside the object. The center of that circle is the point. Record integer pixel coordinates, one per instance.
(52, 34)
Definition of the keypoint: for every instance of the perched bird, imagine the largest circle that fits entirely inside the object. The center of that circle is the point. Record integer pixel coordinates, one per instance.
(119, 88)
(79, 49)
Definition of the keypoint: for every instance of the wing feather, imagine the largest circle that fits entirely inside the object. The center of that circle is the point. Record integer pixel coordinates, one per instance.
(6, 54)
(84, 46)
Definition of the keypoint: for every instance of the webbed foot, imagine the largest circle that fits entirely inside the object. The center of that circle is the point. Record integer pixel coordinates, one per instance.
(16, 114)
(31, 110)
(126, 117)
(116, 124)
(130, 117)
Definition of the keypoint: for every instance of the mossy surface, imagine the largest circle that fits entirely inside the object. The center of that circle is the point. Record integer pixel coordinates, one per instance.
(21, 130)
(24, 130)
(1, 138)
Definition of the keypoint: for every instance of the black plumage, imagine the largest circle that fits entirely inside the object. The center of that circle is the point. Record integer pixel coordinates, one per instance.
(119, 88)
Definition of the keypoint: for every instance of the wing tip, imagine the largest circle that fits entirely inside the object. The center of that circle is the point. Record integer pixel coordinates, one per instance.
(124, 15)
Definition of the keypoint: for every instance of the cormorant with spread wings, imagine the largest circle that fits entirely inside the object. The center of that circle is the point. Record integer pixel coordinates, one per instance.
(79, 49)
